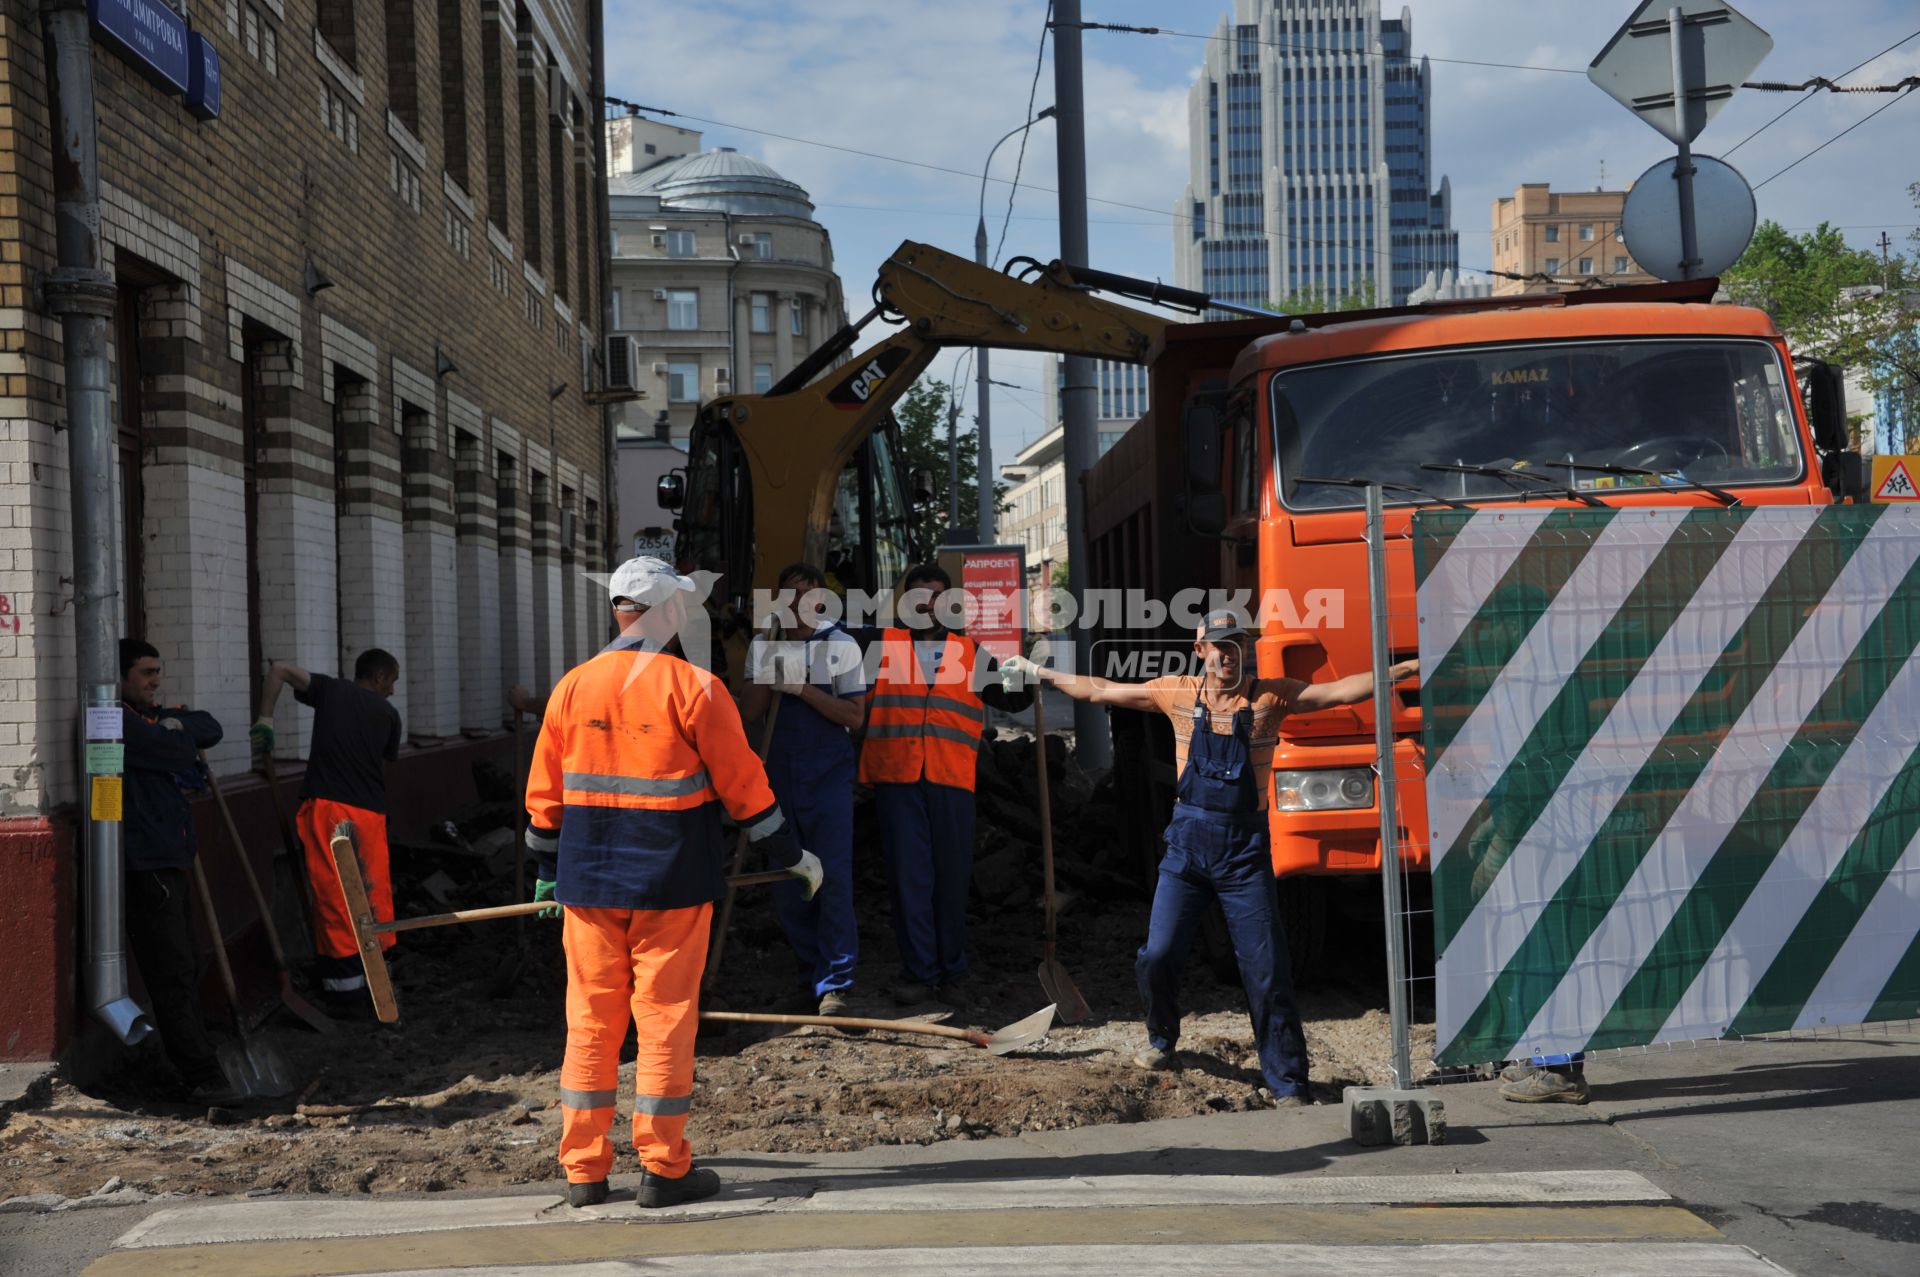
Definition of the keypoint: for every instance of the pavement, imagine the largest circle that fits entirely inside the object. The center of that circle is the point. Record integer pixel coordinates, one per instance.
(1729, 1160)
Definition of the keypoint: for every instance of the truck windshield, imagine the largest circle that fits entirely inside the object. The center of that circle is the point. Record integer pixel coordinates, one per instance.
(1713, 411)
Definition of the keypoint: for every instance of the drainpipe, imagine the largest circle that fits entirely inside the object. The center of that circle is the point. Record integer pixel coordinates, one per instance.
(610, 415)
(81, 293)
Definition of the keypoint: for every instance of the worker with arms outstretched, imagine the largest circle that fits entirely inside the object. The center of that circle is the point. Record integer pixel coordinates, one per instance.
(638, 752)
(356, 733)
(1226, 722)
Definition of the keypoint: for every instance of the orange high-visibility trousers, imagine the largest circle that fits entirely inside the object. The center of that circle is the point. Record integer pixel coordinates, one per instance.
(644, 964)
(332, 930)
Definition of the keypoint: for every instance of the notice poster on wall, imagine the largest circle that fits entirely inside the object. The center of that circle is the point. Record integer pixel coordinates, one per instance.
(991, 578)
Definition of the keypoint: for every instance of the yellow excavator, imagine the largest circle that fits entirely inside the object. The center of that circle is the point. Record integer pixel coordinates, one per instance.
(810, 470)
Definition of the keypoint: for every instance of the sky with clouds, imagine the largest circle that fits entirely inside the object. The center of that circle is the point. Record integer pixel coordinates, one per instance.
(937, 81)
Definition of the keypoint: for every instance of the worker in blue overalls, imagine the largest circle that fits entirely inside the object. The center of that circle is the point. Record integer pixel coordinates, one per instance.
(1225, 725)
(814, 668)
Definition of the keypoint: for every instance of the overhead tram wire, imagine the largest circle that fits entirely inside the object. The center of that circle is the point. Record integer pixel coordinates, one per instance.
(1835, 138)
(1800, 102)
(1020, 159)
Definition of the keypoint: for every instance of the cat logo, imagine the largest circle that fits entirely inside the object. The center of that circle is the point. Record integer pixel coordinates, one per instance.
(858, 389)
(1518, 376)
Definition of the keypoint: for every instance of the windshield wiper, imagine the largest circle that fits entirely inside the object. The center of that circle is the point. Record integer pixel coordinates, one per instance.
(1599, 467)
(1431, 497)
(1508, 477)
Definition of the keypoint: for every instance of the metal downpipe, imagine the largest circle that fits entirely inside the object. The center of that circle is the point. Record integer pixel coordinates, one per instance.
(82, 294)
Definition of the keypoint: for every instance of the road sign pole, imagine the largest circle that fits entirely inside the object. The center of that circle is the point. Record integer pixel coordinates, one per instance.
(1391, 894)
(1683, 166)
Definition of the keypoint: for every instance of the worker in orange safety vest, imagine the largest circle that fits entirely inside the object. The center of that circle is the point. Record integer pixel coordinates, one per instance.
(638, 752)
(925, 717)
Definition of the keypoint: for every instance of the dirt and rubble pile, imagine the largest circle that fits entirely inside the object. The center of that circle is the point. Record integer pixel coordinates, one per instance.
(464, 1091)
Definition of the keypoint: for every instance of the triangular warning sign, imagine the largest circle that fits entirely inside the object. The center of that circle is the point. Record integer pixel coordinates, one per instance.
(1897, 486)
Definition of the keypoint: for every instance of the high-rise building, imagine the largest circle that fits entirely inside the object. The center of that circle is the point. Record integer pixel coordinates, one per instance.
(1309, 159)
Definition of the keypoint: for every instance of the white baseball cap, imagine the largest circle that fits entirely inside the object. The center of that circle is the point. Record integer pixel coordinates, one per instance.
(647, 580)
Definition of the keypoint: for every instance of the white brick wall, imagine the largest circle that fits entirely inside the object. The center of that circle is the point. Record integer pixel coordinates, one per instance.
(373, 610)
(477, 587)
(38, 705)
(549, 629)
(432, 660)
(299, 618)
(252, 295)
(516, 621)
(196, 588)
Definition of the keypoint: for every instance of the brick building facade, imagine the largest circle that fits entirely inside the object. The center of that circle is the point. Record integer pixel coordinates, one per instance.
(358, 324)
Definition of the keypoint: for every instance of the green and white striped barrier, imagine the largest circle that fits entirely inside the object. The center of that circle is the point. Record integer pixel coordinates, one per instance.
(1673, 772)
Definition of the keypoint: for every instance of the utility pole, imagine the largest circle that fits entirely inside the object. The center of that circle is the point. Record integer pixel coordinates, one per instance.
(1886, 263)
(983, 415)
(953, 458)
(1077, 402)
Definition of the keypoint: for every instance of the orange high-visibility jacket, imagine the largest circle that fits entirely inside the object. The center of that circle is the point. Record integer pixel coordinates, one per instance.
(637, 753)
(918, 730)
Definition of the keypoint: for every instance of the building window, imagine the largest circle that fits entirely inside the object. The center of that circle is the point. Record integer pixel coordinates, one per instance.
(683, 382)
(1553, 234)
(1586, 266)
(557, 168)
(683, 309)
(762, 378)
(679, 243)
(762, 313)
(615, 303)
(797, 317)
(494, 83)
(453, 88)
(531, 61)
(334, 18)
(1619, 265)
(762, 245)
(1586, 230)
(403, 89)
(1553, 265)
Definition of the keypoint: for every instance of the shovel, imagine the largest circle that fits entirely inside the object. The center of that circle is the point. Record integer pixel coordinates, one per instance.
(1012, 1038)
(725, 924)
(289, 997)
(1054, 980)
(290, 839)
(507, 976)
(253, 1068)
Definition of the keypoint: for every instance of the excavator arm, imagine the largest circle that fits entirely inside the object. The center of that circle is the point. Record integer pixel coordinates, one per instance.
(796, 439)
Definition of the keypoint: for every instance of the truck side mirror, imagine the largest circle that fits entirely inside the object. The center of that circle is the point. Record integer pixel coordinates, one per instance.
(1201, 434)
(920, 490)
(1827, 407)
(671, 491)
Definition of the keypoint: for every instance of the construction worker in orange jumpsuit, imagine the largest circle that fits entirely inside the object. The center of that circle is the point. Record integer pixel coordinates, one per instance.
(638, 752)
(926, 715)
(356, 733)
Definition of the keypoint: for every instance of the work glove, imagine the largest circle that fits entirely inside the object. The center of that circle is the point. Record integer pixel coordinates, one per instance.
(173, 725)
(261, 734)
(809, 871)
(543, 890)
(1016, 672)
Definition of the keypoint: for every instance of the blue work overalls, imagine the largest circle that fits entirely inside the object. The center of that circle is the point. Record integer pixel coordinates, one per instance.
(810, 766)
(1217, 846)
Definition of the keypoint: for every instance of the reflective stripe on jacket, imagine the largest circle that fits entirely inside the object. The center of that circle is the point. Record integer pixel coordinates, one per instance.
(918, 730)
(638, 752)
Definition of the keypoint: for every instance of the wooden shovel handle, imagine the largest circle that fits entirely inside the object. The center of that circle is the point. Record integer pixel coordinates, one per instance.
(246, 868)
(535, 906)
(1046, 805)
(849, 1022)
(219, 940)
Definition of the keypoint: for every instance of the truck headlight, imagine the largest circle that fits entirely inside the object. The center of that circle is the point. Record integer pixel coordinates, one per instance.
(1323, 789)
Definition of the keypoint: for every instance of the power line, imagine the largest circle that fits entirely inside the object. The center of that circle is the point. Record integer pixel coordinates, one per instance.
(1803, 101)
(1835, 138)
(1315, 48)
(1020, 160)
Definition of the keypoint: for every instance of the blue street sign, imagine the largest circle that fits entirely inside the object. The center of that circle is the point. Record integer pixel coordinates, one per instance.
(203, 79)
(148, 34)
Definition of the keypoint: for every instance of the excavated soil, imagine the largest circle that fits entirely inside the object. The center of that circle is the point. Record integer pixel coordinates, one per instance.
(463, 1092)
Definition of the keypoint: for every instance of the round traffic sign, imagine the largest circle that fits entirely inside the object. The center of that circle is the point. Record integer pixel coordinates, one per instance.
(1723, 218)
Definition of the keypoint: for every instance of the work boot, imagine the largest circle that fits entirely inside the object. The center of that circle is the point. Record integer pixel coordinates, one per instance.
(1154, 1058)
(833, 1002)
(1519, 1071)
(954, 994)
(660, 1190)
(591, 1193)
(912, 993)
(1547, 1086)
(213, 1092)
(1293, 1101)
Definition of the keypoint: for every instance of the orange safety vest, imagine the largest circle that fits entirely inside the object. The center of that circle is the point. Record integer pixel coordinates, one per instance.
(637, 754)
(918, 730)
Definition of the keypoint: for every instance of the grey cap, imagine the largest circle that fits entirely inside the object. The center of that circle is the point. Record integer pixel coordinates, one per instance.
(1222, 623)
(647, 580)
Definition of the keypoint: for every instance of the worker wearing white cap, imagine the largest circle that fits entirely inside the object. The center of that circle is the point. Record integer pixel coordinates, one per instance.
(638, 753)
(1217, 841)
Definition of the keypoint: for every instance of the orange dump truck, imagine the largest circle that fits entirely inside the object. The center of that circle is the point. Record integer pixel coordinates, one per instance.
(1628, 397)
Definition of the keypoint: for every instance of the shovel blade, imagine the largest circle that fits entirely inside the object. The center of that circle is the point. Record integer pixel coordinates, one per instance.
(1064, 994)
(316, 1019)
(1021, 1033)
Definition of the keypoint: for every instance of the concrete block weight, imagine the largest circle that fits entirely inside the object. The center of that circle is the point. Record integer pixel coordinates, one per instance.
(1379, 1115)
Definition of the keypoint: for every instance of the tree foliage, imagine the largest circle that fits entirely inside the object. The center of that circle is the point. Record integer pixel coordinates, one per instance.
(1320, 300)
(922, 415)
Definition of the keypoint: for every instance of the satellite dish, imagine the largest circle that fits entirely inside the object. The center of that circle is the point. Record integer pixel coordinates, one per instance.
(1724, 217)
